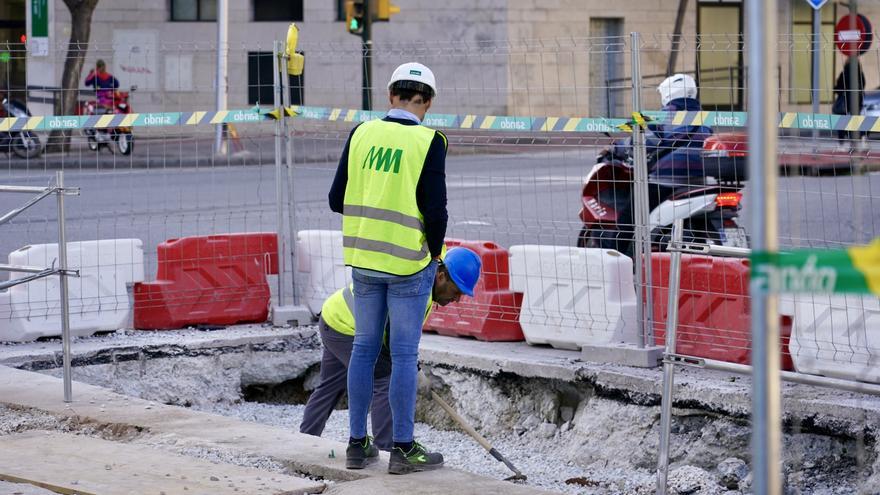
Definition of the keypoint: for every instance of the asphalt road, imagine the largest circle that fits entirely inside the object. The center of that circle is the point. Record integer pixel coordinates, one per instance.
(515, 198)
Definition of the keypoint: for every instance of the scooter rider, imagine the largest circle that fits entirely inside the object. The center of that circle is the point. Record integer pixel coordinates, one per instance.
(674, 152)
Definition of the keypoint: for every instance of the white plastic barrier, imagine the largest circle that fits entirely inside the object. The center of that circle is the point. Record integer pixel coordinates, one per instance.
(837, 336)
(574, 296)
(321, 270)
(99, 299)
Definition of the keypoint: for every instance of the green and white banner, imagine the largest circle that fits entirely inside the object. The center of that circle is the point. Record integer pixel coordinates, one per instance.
(853, 270)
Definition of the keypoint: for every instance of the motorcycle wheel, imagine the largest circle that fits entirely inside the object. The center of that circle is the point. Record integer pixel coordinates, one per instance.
(26, 145)
(586, 239)
(93, 143)
(125, 143)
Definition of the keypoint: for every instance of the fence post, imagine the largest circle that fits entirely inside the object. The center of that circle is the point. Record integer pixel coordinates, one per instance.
(641, 233)
(763, 173)
(291, 210)
(668, 364)
(279, 173)
(62, 287)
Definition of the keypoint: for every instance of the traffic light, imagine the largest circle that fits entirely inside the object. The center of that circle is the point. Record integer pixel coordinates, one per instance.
(356, 12)
(384, 10)
(354, 16)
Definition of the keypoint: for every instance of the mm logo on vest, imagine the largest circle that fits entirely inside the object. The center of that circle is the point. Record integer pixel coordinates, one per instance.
(383, 159)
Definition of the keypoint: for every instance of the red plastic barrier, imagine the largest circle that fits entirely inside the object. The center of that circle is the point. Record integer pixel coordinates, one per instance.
(713, 308)
(209, 280)
(493, 313)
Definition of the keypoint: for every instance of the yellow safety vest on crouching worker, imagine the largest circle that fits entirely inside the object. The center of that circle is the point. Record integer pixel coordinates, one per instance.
(382, 226)
(338, 311)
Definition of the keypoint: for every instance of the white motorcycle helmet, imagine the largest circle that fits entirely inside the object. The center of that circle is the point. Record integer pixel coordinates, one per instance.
(415, 76)
(677, 86)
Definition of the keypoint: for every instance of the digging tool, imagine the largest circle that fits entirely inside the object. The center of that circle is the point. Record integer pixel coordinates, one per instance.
(517, 476)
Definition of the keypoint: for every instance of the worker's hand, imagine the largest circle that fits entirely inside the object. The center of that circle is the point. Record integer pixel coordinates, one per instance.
(427, 381)
(605, 154)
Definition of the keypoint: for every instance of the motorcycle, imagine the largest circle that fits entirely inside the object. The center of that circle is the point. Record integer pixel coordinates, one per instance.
(122, 136)
(709, 205)
(24, 143)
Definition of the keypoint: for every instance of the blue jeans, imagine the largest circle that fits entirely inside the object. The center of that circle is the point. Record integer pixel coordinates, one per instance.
(402, 300)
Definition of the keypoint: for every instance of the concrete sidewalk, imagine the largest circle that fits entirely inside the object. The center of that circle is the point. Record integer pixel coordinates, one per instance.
(300, 453)
(92, 466)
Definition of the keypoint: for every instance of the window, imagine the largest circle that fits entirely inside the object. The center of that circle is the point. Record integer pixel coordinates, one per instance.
(340, 10)
(260, 81)
(606, 69)
(802, 54)
(278, 10)
(719, 55)
(193, 10)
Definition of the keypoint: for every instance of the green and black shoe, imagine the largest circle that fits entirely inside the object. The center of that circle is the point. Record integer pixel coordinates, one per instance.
(358, 455)
(417, 459)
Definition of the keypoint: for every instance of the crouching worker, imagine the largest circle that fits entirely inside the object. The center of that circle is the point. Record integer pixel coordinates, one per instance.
(457, 275)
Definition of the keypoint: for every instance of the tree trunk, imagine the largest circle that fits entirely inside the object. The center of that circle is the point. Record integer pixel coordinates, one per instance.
(65, 104)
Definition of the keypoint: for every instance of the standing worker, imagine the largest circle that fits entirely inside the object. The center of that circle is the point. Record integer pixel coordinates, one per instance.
(456, 276)
(391, 190)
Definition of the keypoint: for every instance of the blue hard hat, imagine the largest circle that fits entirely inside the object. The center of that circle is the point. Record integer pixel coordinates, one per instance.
(463, 266)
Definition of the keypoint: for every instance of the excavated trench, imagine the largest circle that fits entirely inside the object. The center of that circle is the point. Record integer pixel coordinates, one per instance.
(567, 436)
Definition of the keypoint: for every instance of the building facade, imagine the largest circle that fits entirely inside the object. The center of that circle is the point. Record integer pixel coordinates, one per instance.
(513, 57)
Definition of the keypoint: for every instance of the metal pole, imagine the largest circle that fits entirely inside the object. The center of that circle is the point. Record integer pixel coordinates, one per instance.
(669, 366)
(788, 376)
(817, 31)
(222, 55)
(291, 211)
(367, 54)
(854, 86)
(763, 171)
(65, 303)
(641, 245)
(279, 172)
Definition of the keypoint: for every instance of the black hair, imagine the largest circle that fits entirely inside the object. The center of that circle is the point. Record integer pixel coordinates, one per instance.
(407, 90)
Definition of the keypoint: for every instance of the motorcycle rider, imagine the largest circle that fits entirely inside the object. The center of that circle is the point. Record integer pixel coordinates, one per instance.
(674, 154)
(104, 83)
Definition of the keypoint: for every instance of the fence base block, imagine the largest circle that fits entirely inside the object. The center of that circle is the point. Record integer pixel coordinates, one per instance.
(624, 354)
(290, 315)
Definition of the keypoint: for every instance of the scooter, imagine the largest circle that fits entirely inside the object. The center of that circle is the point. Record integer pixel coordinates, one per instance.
(24, 143)
(709, 205)
(122, 136)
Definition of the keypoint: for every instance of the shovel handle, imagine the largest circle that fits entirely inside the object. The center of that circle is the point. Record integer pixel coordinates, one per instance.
(461, 422)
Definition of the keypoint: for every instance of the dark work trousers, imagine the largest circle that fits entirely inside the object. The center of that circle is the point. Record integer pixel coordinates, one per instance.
(334, 381)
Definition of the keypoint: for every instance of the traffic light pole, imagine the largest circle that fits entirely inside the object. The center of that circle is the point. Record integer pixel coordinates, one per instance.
(367, 50)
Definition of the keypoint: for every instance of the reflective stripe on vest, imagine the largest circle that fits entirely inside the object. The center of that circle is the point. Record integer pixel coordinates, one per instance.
(338, 311)
(382, 226)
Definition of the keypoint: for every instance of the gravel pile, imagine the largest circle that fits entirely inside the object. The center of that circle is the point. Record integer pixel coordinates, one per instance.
(540, 460)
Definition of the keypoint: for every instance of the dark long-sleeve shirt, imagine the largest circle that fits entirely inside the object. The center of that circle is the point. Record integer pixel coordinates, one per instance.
(430, 190)
(104, 85)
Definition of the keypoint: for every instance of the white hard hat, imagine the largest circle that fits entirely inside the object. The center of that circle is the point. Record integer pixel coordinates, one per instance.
(415, 72)
(677, 86)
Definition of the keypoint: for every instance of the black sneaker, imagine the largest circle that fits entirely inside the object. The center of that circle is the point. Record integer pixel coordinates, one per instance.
(358, 455)
(417, 459)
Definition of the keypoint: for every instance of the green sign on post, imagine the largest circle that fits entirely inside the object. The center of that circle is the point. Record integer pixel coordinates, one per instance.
(39, 36)
(40, 18)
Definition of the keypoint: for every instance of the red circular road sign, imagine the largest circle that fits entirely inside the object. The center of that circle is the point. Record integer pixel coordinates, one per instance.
(853, 41)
